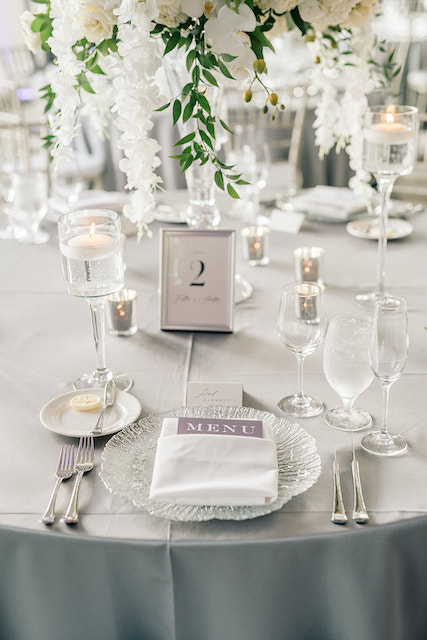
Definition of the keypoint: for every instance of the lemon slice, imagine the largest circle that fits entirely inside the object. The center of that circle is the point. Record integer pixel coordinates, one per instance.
(85, 402)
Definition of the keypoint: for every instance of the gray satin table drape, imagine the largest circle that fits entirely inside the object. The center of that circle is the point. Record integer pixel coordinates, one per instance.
(123, 574)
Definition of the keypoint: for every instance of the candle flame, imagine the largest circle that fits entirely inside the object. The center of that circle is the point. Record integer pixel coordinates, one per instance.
(390, 113)
(389, 117)
(92, 230)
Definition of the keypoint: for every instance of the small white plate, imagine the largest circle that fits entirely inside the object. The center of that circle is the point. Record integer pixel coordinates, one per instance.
(59, 417)
(368, 228)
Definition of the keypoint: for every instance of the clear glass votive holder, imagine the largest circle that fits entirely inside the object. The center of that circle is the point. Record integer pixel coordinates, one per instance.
(256, 244)
(121, 313)
(308, 264)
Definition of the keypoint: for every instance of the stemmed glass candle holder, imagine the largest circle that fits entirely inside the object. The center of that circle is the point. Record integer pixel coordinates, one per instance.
(347, 369)
(92, 265)
(389, 142)
(387, 354)
(301, 326)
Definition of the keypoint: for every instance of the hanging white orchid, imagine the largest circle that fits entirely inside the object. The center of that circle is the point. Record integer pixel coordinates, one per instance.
(107, 53)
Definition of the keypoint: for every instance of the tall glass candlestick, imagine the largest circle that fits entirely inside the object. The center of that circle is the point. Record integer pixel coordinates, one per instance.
(92, 265)
(389, 143)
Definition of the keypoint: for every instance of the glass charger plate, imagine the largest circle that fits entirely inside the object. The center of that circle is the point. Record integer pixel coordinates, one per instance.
(128, 459)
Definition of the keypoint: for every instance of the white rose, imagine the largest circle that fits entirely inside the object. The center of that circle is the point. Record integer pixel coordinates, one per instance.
(359, 14)
(95, 21)
(171, 13)
(324, 13)
(31, 38)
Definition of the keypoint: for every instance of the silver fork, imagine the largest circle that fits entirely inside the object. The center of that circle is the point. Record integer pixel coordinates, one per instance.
(64, 470)
(84, 464)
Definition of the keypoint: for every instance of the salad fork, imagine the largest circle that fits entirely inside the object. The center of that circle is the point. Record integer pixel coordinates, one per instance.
(84, 464)
(64, 470)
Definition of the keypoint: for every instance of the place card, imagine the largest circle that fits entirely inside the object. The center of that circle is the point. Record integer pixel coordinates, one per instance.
(220, 394)
(286, 220)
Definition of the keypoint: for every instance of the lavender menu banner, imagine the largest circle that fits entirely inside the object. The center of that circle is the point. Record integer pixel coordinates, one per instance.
(222, 426)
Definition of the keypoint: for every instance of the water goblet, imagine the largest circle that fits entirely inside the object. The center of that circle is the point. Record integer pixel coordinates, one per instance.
(28, 205)
(92, 264)
(389, 143)
(301, 326)
(347, 369)
(387, 354)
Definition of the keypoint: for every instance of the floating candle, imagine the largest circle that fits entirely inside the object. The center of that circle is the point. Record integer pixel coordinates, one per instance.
(90, 246)
(389, 131)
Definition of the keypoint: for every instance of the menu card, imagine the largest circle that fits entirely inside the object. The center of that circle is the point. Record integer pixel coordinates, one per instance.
(211, 461)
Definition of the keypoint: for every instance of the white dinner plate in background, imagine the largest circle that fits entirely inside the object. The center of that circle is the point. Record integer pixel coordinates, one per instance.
(59, 417)
(368, 228)
(173, 215)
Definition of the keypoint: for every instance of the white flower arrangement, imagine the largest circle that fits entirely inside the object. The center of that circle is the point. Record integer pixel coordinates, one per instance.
(106, 54)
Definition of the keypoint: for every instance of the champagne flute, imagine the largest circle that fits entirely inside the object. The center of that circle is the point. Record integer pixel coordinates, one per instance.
(389, 143)
(92, 264)
(387, 354)
(347, 369)
(301, 326)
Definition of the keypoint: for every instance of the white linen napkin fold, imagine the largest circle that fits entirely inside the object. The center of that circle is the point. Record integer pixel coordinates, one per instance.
(91, 199)
(334, 203)
(214, 469)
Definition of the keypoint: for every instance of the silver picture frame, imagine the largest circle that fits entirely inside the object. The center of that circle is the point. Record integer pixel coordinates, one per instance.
(197, 280)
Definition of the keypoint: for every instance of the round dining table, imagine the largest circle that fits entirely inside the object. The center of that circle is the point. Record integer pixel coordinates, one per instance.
(124, 574)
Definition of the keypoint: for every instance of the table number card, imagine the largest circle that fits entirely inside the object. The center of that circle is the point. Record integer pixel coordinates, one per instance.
(197, 280)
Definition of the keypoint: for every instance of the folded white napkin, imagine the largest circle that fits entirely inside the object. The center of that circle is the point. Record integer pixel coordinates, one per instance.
(208, 465)
(334, 203)
(91, 199)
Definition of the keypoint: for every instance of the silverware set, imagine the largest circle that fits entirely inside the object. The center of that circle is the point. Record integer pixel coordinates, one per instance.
(360, 514)
(68, 465)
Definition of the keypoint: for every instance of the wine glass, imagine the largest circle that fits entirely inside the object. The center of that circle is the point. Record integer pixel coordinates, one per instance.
(347, 369)
(301, 326)
(91, 248)
(387, 354)
(389, 143)
(28, 205)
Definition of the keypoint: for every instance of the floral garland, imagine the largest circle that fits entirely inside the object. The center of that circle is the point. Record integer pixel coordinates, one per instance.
(107, 53)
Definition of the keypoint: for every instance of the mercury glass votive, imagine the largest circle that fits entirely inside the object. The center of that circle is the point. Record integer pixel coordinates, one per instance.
(308, 264)
(256, 244)
(121, 313)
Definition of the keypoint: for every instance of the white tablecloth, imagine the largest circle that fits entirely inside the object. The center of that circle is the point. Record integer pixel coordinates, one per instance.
(46, 341)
